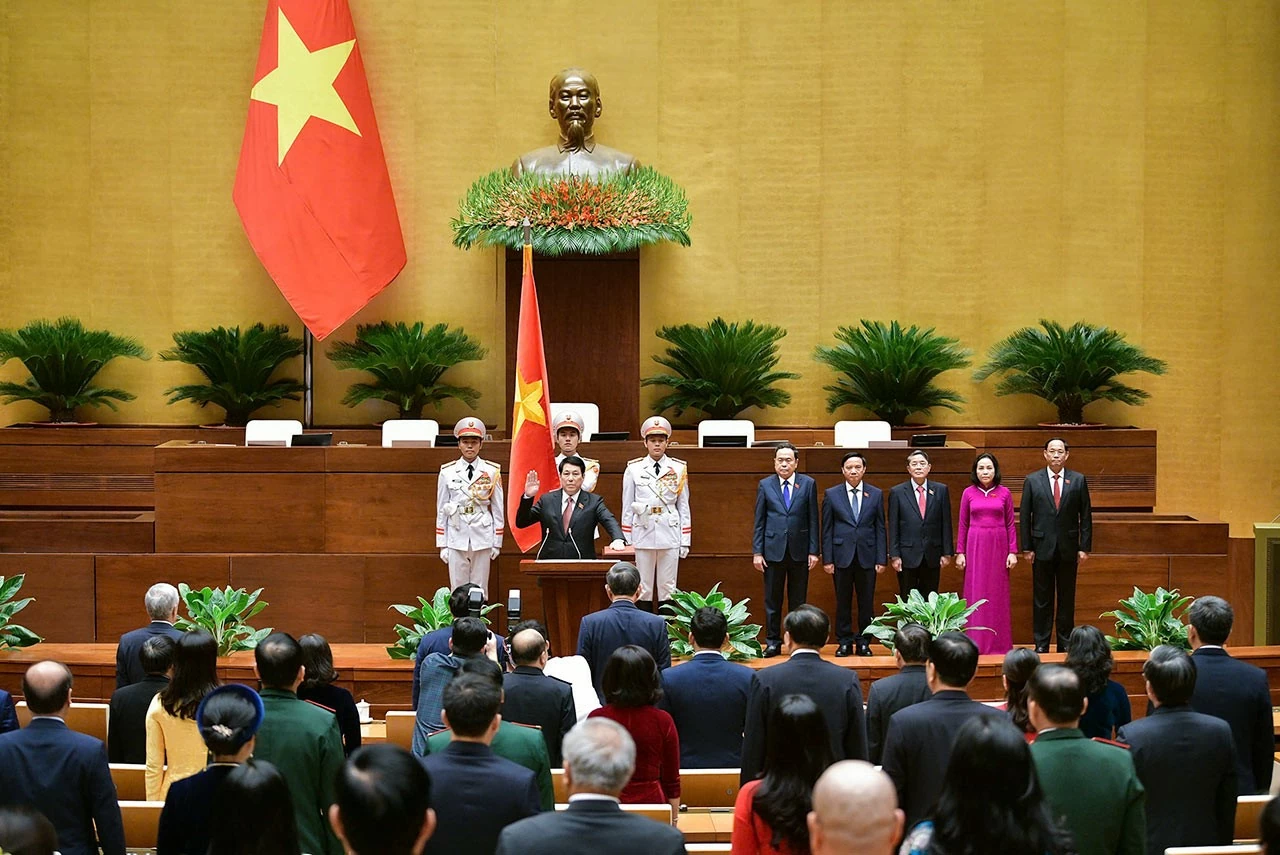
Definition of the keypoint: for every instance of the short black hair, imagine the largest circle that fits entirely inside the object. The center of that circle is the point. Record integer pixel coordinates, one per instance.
(156, 654)
(460, 600)
(471, 701)
(482, 666)
(1172, 675)
(709, 627)
(807, 625)
(572, 460)
(383, 793)
(849, 455)
(1212, 617)
(279, 658)
(1056, 690)
(26, 831)
(912, 641)
(1269, 825)
(529, 650)
(47, 700)
(955, 658)
(469, 636)
(1065, 447)
(623, 579)
(918, 452)
(631, 678)
(784, 444)
(973, 470)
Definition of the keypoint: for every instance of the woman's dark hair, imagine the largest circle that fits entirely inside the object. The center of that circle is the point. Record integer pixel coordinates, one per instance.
(1089, 655)
(252, 813)
(317, 658)
(1019, 665)
(26, 831)
(973, 470)
(228, 719)
(631, 678)
(195, 674)
(797, 752)
(991, 800)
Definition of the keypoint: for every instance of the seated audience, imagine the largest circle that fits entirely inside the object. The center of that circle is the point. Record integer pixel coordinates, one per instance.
(1089, 655)
(470, 637)
(25, 831)
(1269, 827)
(573, 670)
(621, 623)
(161, 602)
(1019, 664)
(318, 688)
(252, 813)
(898, 691)
(8, 712)
(855, 811)
(174, 747)
(770, 816)
(530, 697)
(383, 803)
(127, 712)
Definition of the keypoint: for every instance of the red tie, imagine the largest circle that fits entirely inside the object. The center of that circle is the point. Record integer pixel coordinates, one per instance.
(1057, 492)
(568, 511)
(920, 493)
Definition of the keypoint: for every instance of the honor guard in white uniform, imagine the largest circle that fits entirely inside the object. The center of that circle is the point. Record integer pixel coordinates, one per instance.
(567, 433)
(469, 509)
(655, 512)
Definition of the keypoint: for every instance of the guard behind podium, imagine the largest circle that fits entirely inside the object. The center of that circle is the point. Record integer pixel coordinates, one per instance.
(568, 516)
(567, 431)
(469, 503)
(655, 513)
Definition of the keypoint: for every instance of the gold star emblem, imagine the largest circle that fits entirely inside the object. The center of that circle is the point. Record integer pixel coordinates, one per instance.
(301, 86)
(528, 403)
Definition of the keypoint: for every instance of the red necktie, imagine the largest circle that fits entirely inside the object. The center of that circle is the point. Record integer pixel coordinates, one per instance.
(1057, 491)
(568, 512)
(920, 493)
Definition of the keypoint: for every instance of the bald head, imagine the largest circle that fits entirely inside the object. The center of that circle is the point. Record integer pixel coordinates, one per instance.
(527, 647)
(47, 688)
(855, 810)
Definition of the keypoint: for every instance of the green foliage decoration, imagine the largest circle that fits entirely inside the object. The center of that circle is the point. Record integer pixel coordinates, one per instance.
(1146, 621)
(939, 613)
(12, 634)
(224, 613)
(742, 642)
(427, 616)
(238, 366)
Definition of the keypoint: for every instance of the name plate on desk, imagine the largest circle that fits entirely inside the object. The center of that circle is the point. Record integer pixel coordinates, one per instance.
(412, 443)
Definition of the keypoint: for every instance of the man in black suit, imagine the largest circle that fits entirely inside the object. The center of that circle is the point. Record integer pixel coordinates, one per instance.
(622, 623)
(834, 689)
(479, 793)
(853, 546)
(1056, 524)
(382, 802)
(1196, 809)
(127, 717)
(920, 542)
(568, 516)
(599, 759)
(531, 697)
(898, 691)
(162, 606)
(918, 745)
(785, 542)
(61, 773)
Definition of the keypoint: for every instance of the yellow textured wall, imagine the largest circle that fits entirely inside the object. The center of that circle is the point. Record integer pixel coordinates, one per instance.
(969, 165)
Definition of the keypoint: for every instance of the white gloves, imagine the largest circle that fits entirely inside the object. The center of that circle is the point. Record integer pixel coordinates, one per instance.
(450, 508)
(684, 552)
(639, 508)
(617, 544)
(444, 556)
(493, 553)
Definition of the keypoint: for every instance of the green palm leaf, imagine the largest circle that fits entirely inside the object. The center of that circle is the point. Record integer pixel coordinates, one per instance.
(238, 367)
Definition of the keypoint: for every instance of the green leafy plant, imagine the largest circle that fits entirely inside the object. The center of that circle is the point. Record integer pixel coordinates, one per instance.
(238, 367)
(720, 368)
(1070, 367)
(939, 613)
(428, 616)
(1145, 621)
(12, 634)
(224, 613)
(406, 363)
(742, 640)
(63, 358)
(890, 371)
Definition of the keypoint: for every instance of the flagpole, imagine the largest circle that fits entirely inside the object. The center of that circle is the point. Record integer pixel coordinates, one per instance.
(308, 355)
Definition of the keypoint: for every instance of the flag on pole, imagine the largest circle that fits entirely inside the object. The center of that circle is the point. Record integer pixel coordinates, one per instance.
(312, 186)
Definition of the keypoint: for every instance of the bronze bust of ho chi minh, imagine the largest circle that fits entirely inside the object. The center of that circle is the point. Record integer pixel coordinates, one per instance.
(575, 104)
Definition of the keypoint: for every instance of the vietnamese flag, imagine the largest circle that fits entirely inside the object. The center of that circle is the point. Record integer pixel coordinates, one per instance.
(312, 187)
(530, 423)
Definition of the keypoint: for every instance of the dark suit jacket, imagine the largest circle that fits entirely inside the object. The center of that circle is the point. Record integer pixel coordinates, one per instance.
(589, 828)
(782, 532)
(1237, 693)
(915, 540)
(622, 623)
(888, 695)
(479, 794)
(184, 822)
(579, 542)
(1187, 763)
(835, 690)
(127, 730)
(128, 665)
(8, 712)
(707, 697)
(847, 542)
(1093, 791)
(1047, 531)
(917, 748)
(531, 697)
(64, 775)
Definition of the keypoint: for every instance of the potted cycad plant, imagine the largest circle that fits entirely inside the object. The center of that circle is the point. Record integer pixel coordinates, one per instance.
(238, 367)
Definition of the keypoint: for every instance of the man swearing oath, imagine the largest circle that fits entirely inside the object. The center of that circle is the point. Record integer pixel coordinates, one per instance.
(568, 516)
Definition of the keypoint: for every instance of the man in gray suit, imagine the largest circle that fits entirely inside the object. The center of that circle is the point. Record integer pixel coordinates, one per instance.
(785, 542)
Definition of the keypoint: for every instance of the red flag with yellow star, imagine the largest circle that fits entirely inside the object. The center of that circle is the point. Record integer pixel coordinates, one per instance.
(312, 186)
(531, 447)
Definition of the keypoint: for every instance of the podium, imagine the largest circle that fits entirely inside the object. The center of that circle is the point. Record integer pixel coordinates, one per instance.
(570, 590)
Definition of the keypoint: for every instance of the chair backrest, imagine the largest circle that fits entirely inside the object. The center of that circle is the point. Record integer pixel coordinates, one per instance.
(410, 432)
(1248, 815)
(701, 788)
(141, 823)
(130, 780)
(856, 434)
(658, 813)
(590, 417)
(271, 431)
(708, 847)
(400, 728)
(560, 785)
(726, 427)
(82, 718)
(1245, 849)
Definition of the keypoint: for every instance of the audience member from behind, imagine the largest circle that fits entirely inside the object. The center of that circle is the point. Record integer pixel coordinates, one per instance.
(437, 640)
(990, 800)
(60, 773)
(384, 803)
(300, 740)
(175, 749)
(228, 718)
(8, 712)
(530, 697)
(25, 831)
(252, 813)
(469, 639)
(599, 757)
(318, 688)
(1186, 760)
(770, 816)
(1089, 655)
(1019, 664)
(855, 811)
(1091, 787)
(1269, 827)
(127, 716)
(707, 697)
(161, 602)
(898, 691)
(621, 623)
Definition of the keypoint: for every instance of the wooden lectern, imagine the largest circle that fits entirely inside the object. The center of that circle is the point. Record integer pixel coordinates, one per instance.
(570, 590)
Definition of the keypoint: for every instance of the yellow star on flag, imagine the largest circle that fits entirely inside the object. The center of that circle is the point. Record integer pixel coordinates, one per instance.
(528, 404)
(301, 86)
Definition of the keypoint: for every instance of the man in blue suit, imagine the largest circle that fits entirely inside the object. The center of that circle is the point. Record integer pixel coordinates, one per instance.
(707, 697)
(853, 544)
(622, 623)
(8, 712)
(61, 773)
(161, 601)
(785, 543)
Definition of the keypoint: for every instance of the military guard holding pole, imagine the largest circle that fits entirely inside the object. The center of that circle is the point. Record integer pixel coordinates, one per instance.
(655, 513)
(469, 509)
(566, 431)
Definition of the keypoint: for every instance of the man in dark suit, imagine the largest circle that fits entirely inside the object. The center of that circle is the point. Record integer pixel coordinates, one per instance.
(8, 712)
(127, 719)
(853, 546)
(835, 690)
(531, 697)
(785, 543)
(920, 542)
(568, 516)
(162, 606)
(383, 802)
(61, 773)
(622, 623)
(707, 697)
(479, 793)
(898, 691)
(918, 745)
(1056, 523)
(1196, 809)
(599, 759)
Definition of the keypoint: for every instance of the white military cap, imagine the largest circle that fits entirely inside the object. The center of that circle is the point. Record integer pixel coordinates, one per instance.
(655, 424)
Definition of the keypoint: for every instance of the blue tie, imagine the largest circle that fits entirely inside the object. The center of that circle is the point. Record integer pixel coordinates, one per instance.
(786, 494)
